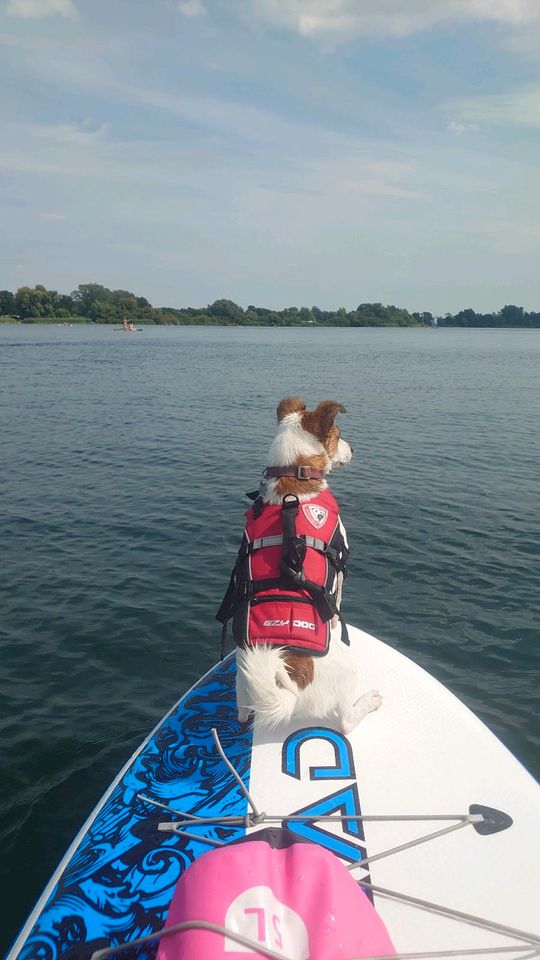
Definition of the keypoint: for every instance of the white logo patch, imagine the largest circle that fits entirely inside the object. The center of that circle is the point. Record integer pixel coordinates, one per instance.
(258, 915)
(316, 515)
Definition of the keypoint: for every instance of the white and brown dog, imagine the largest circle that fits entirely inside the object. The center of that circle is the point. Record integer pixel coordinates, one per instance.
(277, 677)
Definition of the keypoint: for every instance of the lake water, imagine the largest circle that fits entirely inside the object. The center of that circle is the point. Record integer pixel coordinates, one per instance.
(125, 461)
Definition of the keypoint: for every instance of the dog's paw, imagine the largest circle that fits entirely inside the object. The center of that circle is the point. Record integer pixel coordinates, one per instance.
(370, 701)
(365, 704)
(243, 714)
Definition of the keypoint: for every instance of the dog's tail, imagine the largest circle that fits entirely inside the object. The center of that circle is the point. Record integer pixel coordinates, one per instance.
(272, 692)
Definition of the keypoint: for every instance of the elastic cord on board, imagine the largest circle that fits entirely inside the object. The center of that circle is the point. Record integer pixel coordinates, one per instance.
(263, 950)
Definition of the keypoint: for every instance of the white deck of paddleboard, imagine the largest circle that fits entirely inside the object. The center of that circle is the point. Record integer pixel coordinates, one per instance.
(424, 752)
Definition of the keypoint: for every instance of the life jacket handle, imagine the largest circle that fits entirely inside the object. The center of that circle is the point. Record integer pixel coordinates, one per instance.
(293, 551)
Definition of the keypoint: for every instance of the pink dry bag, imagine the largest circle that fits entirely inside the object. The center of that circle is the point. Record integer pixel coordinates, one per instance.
(272, 888)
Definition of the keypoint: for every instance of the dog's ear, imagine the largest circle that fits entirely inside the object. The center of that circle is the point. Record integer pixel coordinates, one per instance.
(321, 420)
(289, 405)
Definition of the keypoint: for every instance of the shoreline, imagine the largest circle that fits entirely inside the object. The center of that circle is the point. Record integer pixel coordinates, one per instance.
(83, 321)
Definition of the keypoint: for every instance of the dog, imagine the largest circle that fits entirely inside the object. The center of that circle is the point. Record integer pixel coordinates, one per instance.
(285, 592)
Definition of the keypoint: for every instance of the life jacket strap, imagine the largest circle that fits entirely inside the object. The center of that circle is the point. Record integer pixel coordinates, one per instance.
(230, 600)
(258, 502)
(289, 512)
(338, 558)
(261, 542)
(323, 602)
(293, 551)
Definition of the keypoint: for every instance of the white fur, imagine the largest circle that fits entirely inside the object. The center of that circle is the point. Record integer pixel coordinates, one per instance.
(343, 453)
(264, 687)
(292, 441)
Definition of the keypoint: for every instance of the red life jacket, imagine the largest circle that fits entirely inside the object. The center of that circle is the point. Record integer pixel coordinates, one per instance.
(284, 584)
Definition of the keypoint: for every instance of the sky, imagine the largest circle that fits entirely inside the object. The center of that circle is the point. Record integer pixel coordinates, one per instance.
(274, 152)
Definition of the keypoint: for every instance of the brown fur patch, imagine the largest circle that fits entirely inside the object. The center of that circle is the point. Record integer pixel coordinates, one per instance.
(289, 405)
(300, 668)
(332, 440)
(320, 422)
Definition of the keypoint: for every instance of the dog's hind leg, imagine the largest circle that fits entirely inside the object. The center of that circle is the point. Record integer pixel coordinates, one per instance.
(349, 717)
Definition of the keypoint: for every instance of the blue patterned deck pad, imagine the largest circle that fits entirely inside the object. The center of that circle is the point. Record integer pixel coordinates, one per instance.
(118, 882)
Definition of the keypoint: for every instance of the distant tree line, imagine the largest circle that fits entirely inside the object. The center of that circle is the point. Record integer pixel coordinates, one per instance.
(508, 316)
(91, 302)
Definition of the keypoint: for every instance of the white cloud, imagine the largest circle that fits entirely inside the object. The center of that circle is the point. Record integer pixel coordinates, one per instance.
(192, 8)
(458, 128)
(518, 108)
(335, 166)
(67, 133)
(36, 9)
(53, 217)
(344, 18)
(508, 236)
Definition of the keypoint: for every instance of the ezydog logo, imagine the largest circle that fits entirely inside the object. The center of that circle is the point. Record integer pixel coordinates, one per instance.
(299, 624)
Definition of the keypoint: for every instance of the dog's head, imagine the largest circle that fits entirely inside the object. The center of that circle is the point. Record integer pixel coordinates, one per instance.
(304, 431)
(306, 438)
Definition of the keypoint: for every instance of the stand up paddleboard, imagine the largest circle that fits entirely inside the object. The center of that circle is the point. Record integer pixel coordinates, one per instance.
(442, 816)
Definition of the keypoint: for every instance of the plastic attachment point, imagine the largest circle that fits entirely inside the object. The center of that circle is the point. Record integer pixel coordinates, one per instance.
(493, 821)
